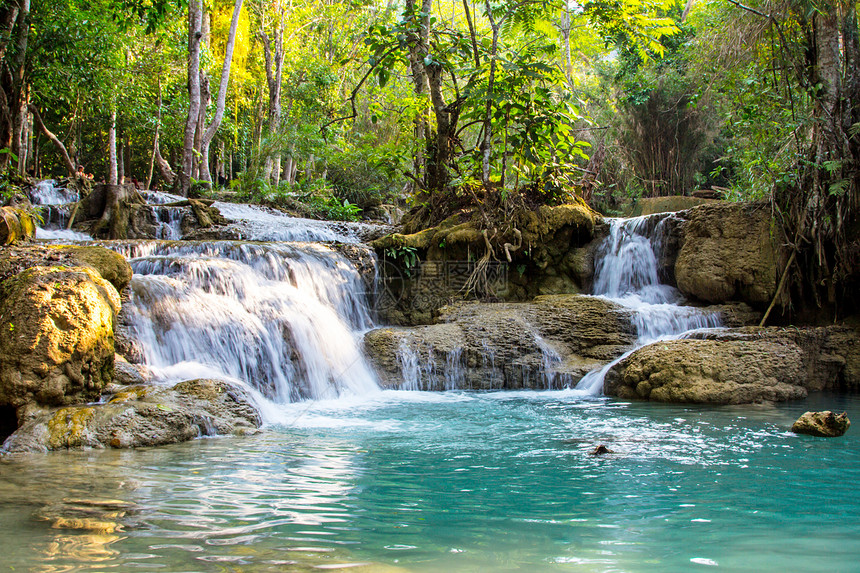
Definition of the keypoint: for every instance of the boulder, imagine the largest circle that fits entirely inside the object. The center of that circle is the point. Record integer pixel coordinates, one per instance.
(15, 225)
(56, 336)
(671, 204)
(740, 366)
(142, 415)
(728, 252)
(824, 424)
(109, 264)
(551, 342)
(710, 372)
(550, 248)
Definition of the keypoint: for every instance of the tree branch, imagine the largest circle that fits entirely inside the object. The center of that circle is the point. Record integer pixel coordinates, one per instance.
(70, 166)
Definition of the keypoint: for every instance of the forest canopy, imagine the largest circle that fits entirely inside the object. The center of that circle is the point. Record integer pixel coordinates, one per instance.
(347, 104)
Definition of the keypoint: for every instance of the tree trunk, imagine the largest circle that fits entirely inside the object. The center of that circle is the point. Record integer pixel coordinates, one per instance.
(274, 75)
(220, 103)
(120, 159)
(487, 143)
(164, 169)
(440, 149)
(564, 28)
(113, 177)
(155, 140)
(195, 34)
(822, 209)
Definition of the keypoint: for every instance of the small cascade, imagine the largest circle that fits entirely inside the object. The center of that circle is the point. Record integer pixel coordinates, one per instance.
(264, 224)
(417, 364)
(455, 370)
(281, 317)
(48, 193)
(160, 197)
(488, 358)
(626, 273)
(169, 221)
(56, 203)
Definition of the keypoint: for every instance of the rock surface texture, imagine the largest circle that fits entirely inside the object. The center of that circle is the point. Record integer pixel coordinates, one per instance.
(58, 310)
(824, 424)
(56, 336)
(728, 253)
(550, 342)
(142, 415)
(740, 366)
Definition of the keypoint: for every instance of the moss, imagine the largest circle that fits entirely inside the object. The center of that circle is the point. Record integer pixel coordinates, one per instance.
(67, 426)
(109, 264)
(10, 226)
(536, 225)
(133, 394)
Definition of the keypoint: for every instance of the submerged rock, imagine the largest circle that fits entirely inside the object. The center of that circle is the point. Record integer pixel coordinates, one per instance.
(600, 450)
(740, 366)
(825, 424)
(142, 415)
(551, 342)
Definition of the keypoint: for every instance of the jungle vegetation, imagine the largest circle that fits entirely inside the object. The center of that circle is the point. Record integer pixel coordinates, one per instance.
(452, 104)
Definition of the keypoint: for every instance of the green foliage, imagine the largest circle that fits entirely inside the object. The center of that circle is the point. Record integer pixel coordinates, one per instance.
(406, 256)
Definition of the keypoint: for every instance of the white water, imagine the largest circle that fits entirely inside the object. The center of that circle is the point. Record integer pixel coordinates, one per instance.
(283, 318)
(626, 272)
(55, 202)
(48, 193)
(265, 224)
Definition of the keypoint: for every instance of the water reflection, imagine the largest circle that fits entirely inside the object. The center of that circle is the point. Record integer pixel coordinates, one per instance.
(460, 482)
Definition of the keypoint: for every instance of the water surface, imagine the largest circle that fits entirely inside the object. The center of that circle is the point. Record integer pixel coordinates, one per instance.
(454, 481)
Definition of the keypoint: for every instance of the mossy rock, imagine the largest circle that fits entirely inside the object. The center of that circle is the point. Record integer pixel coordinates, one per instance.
(112, 266)
(56, 336)
(143, 416)
(15, 225)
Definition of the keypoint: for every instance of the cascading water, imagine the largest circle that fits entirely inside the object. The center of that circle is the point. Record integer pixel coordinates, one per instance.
(264, 224)
(280, 317)
(626, 273)
(56, 203)
(48, 192)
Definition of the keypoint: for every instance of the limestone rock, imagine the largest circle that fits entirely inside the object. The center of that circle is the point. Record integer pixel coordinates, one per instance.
(728, 253)
(551, 252)
(552, 341)
(671, 204)
(741, 365)
(825, 424)
(15, 225)
(127, 374)
(56, 336)
(710, 372)
(143, 416)
(109, 264)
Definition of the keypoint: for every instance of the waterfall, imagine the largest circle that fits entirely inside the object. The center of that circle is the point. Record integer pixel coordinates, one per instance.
(56, 207)
(281, 317)
(48, 193)
(626, 272)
